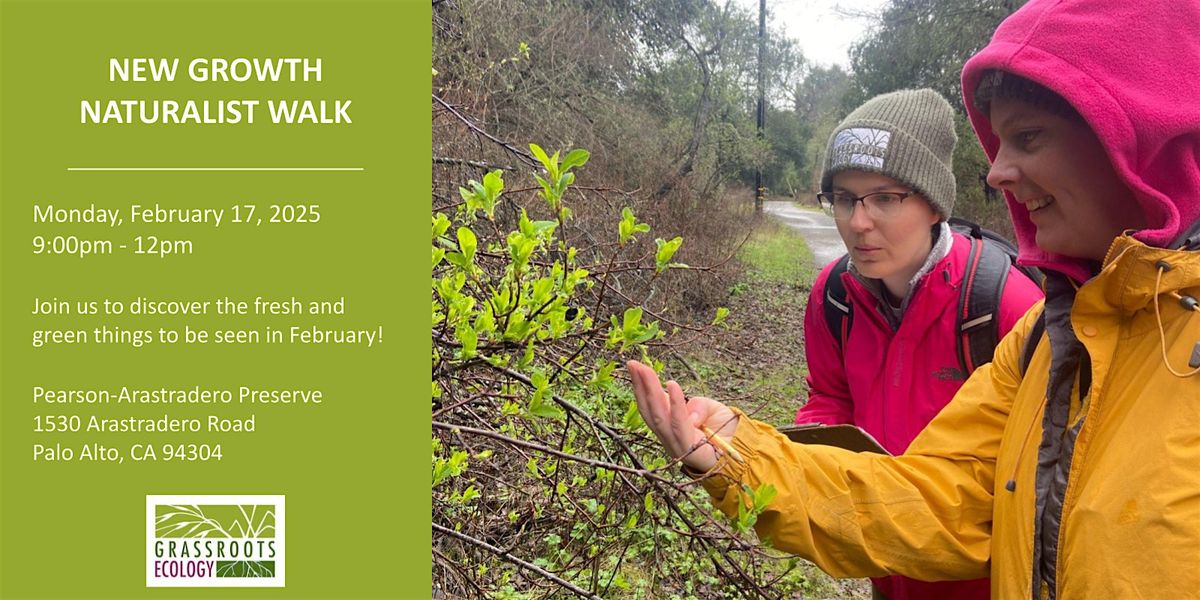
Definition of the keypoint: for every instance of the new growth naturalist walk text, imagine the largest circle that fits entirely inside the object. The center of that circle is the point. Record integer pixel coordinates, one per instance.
(214, 111)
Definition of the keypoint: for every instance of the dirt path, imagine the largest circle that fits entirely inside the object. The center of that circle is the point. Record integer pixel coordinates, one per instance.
(817, 228)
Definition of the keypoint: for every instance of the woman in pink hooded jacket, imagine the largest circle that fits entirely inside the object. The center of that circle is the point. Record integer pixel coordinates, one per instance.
(892, 367)
(1068, 467)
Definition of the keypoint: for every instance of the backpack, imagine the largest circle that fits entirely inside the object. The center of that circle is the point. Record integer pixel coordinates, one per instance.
(978, 329)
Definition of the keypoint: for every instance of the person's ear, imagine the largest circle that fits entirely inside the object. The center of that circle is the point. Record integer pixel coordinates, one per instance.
(934, 215)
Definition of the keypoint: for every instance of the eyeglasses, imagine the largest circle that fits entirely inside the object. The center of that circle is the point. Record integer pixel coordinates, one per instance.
(879, 205)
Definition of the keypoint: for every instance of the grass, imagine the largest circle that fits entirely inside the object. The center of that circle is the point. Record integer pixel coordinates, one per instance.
(777, 255)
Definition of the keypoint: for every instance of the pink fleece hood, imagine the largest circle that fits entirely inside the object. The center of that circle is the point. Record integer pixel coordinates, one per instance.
(1132, 70)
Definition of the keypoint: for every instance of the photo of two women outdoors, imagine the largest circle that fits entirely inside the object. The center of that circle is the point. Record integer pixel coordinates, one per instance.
(774, 299)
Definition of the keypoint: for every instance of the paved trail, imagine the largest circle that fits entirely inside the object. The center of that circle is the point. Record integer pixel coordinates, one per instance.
(818, 229)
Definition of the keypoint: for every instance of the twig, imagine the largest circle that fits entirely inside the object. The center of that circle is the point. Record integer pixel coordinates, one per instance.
(478, 164)
(458, 569)
(548, 450)
(516, 561)
(528, 158)
(679, 357)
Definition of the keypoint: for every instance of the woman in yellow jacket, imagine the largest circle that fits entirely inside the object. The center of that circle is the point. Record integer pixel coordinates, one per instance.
(1070, 466)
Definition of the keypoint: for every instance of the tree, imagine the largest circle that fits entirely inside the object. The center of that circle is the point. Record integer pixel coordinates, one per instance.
(924, 43)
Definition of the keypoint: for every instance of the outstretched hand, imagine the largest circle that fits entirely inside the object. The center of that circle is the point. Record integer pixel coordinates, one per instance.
(677, 420)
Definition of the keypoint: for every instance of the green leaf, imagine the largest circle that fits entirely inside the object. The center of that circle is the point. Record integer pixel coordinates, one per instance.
(666, 250)
(501, 300)
(467, 195)
(469, 494)
(520, 248)
(517, 328)
(745, 519)
(526, 357)
(632, 321)
(575, 158)
(722, 313)
(493, 184)
(763, 496)
(467, 243)
(460, 309)
(541, 291)
(646, 334)
(603, 375)
(541, 408)
(446, 468)
(547, 189)
(539, 405)
(633, 418)
(626, 225)
(525, 225)
(448, 287)
(485, 322)
(615, 335)
(440, 225)
(629, 226)
(543, 229)
(499, 361)
(468, 338)
(458, 260)
(540, 154)
(438, 255)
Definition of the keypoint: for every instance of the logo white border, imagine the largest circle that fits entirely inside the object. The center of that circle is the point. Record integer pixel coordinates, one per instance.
(280, 527)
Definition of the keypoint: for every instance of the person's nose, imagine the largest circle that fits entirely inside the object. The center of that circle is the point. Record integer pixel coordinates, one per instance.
(859, 220)
(1004, 173)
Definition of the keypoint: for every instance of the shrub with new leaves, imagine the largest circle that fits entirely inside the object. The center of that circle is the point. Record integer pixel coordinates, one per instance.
(544, 477)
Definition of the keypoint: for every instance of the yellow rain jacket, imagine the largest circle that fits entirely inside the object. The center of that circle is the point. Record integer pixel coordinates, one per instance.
(960, 503)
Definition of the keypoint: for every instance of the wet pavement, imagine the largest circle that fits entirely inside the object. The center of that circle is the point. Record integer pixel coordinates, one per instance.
(816, 227)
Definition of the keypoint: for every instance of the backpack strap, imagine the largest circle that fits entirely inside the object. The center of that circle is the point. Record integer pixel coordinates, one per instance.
(1189, 239)
(978, 322)
(838, 315)
(1031, 342)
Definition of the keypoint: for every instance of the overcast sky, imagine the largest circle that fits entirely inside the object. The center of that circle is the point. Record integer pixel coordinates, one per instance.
(823, 35)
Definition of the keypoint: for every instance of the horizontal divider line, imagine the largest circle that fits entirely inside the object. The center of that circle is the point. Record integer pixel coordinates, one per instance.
(215, 169)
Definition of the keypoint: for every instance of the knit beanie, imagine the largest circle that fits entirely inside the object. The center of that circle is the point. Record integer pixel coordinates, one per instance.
(1001, 84)
(906, 135)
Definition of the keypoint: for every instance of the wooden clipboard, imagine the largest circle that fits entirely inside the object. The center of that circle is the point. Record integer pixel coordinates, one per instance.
(850, 437)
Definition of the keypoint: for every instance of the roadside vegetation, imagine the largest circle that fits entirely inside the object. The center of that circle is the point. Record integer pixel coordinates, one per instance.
(757, 363)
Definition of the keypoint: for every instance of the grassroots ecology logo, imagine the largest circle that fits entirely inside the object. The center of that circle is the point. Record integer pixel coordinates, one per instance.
(214, 541)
